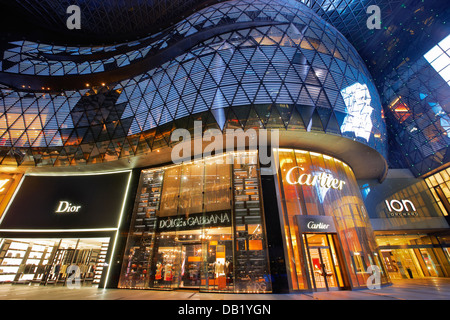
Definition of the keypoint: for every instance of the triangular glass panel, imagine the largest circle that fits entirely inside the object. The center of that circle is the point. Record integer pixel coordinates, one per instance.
(253, 121)
(305, 112)
(285, 111)
(263, 111)
(296, 121)
(242, 113)
(232, 120)
(275, 121)
(316, 122)
(333, 125)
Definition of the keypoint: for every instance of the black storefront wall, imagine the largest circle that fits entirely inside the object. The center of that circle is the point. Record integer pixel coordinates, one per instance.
(274, 237)
(70, 206)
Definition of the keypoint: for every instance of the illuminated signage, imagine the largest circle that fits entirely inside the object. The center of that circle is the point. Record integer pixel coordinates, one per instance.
(66, 206)
(195, 221)
(315, 224)
(401, 208)
(323, 179)
(311, 225)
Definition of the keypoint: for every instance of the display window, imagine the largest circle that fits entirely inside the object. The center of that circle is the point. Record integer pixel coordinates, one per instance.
(64, 237)
(199, 225)
(316, 185)
(53, 261)
(409, 256)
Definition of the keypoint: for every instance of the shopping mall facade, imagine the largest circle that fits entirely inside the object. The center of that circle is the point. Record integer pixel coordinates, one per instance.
(90, 190)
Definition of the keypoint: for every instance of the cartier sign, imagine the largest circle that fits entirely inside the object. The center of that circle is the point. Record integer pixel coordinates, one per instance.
(314, 224)
(322, 179)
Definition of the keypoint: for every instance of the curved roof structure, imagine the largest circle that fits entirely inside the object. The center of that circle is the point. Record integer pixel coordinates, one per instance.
(74, 98)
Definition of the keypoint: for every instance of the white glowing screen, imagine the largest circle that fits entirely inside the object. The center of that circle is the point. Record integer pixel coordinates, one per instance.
(357, 100)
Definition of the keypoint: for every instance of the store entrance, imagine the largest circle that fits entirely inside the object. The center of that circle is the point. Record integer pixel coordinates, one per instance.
(193, 259)
(191, 265)
(324, 265)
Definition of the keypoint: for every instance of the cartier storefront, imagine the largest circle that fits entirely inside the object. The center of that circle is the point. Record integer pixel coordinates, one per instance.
(328, 239)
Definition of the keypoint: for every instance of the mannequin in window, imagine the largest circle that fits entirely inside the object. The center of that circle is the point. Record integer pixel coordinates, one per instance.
(158, 274)
(168, 272)
(219, 269)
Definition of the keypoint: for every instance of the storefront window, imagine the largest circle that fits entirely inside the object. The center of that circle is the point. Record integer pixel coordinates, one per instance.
(410, 256)
(53, 261)
(199, 225)
(312, 184)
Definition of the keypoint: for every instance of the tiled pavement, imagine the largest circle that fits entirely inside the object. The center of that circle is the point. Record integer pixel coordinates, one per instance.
(411, 289)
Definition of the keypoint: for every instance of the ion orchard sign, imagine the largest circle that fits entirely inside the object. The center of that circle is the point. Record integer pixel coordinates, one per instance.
(323, 179)
(401, 208)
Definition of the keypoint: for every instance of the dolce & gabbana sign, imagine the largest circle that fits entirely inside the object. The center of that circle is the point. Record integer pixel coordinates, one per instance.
(195, 221)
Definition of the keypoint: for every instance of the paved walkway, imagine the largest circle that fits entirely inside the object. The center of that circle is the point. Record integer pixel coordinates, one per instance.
(411, 289)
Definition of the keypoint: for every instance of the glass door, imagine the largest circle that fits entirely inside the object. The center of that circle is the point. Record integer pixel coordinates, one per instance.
(323, 263)
(191, 262)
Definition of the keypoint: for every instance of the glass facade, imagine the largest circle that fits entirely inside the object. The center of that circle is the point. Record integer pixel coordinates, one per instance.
(199, 225)
(439, 184)
(245, 64)
(416, 95)
(312, 184)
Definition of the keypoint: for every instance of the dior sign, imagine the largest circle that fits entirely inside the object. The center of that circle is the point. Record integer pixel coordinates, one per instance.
(66, 206)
